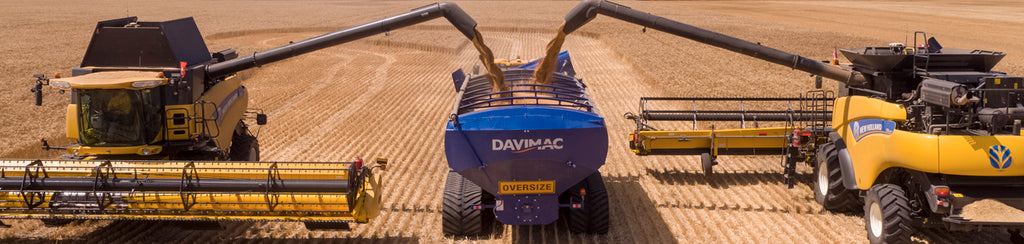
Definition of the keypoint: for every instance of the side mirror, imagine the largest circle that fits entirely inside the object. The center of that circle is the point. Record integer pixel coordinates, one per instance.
(383, 163)
(38, 88)
(261, 119)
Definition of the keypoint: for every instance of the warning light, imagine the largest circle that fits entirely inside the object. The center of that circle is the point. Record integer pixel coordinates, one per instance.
(183, 65)
(577, 205)
(56, 75)
(942, 191)
(358, 163)
(478, 207)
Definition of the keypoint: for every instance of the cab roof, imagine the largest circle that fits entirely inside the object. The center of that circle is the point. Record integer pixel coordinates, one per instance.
(112, 80)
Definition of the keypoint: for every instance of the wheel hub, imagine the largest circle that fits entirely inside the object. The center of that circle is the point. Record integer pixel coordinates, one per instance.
(253, 154)
(875, 220)
(823, 178)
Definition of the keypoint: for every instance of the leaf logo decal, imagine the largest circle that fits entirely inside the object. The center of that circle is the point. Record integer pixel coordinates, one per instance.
(999, 157)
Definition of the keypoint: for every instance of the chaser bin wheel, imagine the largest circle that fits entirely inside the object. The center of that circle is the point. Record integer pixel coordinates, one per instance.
(459, 214)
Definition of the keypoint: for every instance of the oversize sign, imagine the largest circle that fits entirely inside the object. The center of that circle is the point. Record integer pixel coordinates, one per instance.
(526, 187)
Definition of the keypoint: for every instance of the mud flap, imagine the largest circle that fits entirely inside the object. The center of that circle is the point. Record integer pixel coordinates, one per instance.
(845, 162)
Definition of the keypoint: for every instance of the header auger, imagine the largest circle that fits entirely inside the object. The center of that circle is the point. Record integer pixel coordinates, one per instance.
(154, 115)
(924, 129)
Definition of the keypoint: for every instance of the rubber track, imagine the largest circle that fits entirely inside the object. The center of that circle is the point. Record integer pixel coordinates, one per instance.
(895, 213)
(838, 198)
(594, 217)
(458, 216)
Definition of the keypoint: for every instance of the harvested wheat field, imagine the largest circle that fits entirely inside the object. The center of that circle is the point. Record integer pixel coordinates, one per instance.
(389, 96)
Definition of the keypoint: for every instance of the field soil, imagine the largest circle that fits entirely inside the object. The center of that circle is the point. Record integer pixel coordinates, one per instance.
(390, 96)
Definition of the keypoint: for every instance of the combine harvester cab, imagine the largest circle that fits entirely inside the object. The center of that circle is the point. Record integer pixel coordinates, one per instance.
(524, 154)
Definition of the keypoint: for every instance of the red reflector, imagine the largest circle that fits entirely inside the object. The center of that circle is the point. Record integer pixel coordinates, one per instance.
(796, 138)
(942, 191)
(762, 133)
(576, 205)
(806, 133)
(478, 207)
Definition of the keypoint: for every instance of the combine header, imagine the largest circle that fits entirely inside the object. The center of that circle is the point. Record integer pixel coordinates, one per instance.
(916, 134)
(311, 192)
(524, 155)
(156, 117)
(791, 123)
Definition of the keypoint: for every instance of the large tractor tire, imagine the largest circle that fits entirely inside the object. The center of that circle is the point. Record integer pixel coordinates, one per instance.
(593, 218)
(828, 182)
(459, 218)
(887, 214)
(244, 147)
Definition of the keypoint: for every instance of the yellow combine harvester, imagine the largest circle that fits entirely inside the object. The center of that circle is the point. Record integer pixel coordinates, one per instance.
(163, 132)
(916, 135)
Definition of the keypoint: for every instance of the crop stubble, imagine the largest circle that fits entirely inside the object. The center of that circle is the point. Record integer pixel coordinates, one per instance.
(390, 96)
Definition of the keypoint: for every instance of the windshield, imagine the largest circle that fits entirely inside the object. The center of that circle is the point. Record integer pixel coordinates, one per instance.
(117, 117)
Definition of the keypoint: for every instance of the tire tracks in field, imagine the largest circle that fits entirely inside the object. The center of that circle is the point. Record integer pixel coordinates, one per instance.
(318, 133)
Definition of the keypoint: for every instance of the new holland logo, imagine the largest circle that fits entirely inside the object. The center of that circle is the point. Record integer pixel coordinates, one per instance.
(526, 145)
(999, 157)
(866, 127)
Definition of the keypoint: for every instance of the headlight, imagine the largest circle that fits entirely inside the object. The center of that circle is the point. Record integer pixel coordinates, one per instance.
(148, 83)
(75, 152)
(145, 151)
(61, 84)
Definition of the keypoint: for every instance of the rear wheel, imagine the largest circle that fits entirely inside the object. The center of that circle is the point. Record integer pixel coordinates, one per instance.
(828, 184)
(244, 147)
(593, 218)
(887, 214)
(458, 214)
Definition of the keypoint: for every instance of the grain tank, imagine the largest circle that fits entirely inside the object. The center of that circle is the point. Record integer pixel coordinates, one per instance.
(522, 155)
